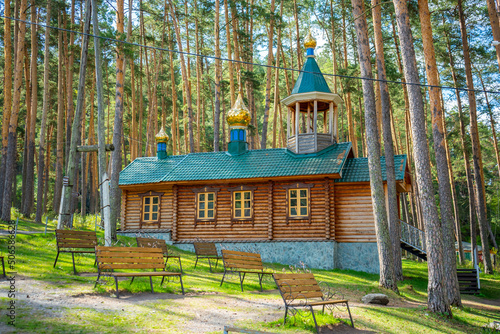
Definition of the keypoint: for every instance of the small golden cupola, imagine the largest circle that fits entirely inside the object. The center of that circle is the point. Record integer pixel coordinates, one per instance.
(238, 119)
(161, 144)
(310, 44)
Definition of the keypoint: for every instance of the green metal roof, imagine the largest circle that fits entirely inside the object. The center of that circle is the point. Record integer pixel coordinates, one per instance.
(356, 170)
(310, 79)
(222, 166)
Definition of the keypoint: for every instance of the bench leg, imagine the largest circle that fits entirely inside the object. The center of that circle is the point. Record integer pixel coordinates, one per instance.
(196, 262)
(350, 317)
(74, 268)
(97, 280)
(95, 262)
(116, 283)
(260, 281)
(286, 313)
(57, 256)
(314, 318)
(210, 264)
(216, 263)
(182, 286)
(222, 281)
(3, 268)
(132, 280)
(180, 264)
(241, 280)
(151, 283)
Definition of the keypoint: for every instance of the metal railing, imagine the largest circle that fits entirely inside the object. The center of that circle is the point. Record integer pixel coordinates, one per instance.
(413, 236)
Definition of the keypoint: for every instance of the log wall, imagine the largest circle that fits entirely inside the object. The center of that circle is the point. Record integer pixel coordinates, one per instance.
(338, 211)
(354, 213)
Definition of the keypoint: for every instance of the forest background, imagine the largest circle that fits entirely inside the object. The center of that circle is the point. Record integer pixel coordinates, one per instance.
(216, 50)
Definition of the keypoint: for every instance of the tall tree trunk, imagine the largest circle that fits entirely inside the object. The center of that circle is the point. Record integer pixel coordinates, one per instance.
(438, 133)
(229, 53)
(7, 101)
(392, 199)
(217, 80)
(465, 150)
(71, 168)
(495, 26)
(476, 147)
(43, 125)
(270, 38)
(28, 194)
(133, 126)
(103, 179)
(60, 123)
(198, 73)
(276, 80)
(185, 77)
(385, 251)
(69, 80)
(10, 160)
(437, 299)
(175, 122)
(116, 155)
(350, 121)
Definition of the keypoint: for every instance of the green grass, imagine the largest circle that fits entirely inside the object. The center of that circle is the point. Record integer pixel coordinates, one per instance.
(35, 255)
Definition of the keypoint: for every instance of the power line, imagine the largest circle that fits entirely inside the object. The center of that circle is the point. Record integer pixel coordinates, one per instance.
(245, 62)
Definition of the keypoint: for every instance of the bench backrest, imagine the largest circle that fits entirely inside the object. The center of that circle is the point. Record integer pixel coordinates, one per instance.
(75, 239)
(205, 249)
(129, 258)
(297, 286)
(154, 243)
(241, 260)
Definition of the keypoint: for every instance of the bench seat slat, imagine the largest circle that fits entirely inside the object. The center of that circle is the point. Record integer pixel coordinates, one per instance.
(139, 253)
(129, 260)
(250, 255)
(126, 249)
(292, 282)
(105, 266)
(144, 274)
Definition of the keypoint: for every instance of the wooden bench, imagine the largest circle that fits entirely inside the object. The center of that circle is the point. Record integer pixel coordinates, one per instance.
(158, 243)
(243, 263)
(302, 290)
(69, 241)
(206, 250)
(467, 281)
(111, 258)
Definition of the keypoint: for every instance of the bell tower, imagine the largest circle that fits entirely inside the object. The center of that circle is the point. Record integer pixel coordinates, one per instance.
(312, 108)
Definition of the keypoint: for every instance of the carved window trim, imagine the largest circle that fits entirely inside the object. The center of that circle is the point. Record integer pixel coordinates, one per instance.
(298, 185)
(205, 190)
(233, 190)
(150, 194)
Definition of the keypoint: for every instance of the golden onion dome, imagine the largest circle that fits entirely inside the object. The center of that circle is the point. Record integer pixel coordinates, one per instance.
(309, 42)
(239, 115)
(161, 136)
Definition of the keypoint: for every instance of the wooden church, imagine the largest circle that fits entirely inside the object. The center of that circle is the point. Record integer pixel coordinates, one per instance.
(307, 203)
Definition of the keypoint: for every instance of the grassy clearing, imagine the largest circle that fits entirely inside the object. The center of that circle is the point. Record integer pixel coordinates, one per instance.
(35, 255)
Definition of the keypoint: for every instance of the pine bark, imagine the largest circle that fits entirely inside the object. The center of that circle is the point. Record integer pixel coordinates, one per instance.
(7, 102)
(10, 159)
(438, 133)
(185, 77)
(28, 194)
(392, 199)
(72, 168)
(217, 69)
(385, 251)
(437, 299)
(60, 123)
(476, 147)
(116, 155)
(495, 26)
(43, 125)
(269, 74)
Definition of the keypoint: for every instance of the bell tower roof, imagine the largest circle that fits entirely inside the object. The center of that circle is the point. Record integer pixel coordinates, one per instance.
(310, 79)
